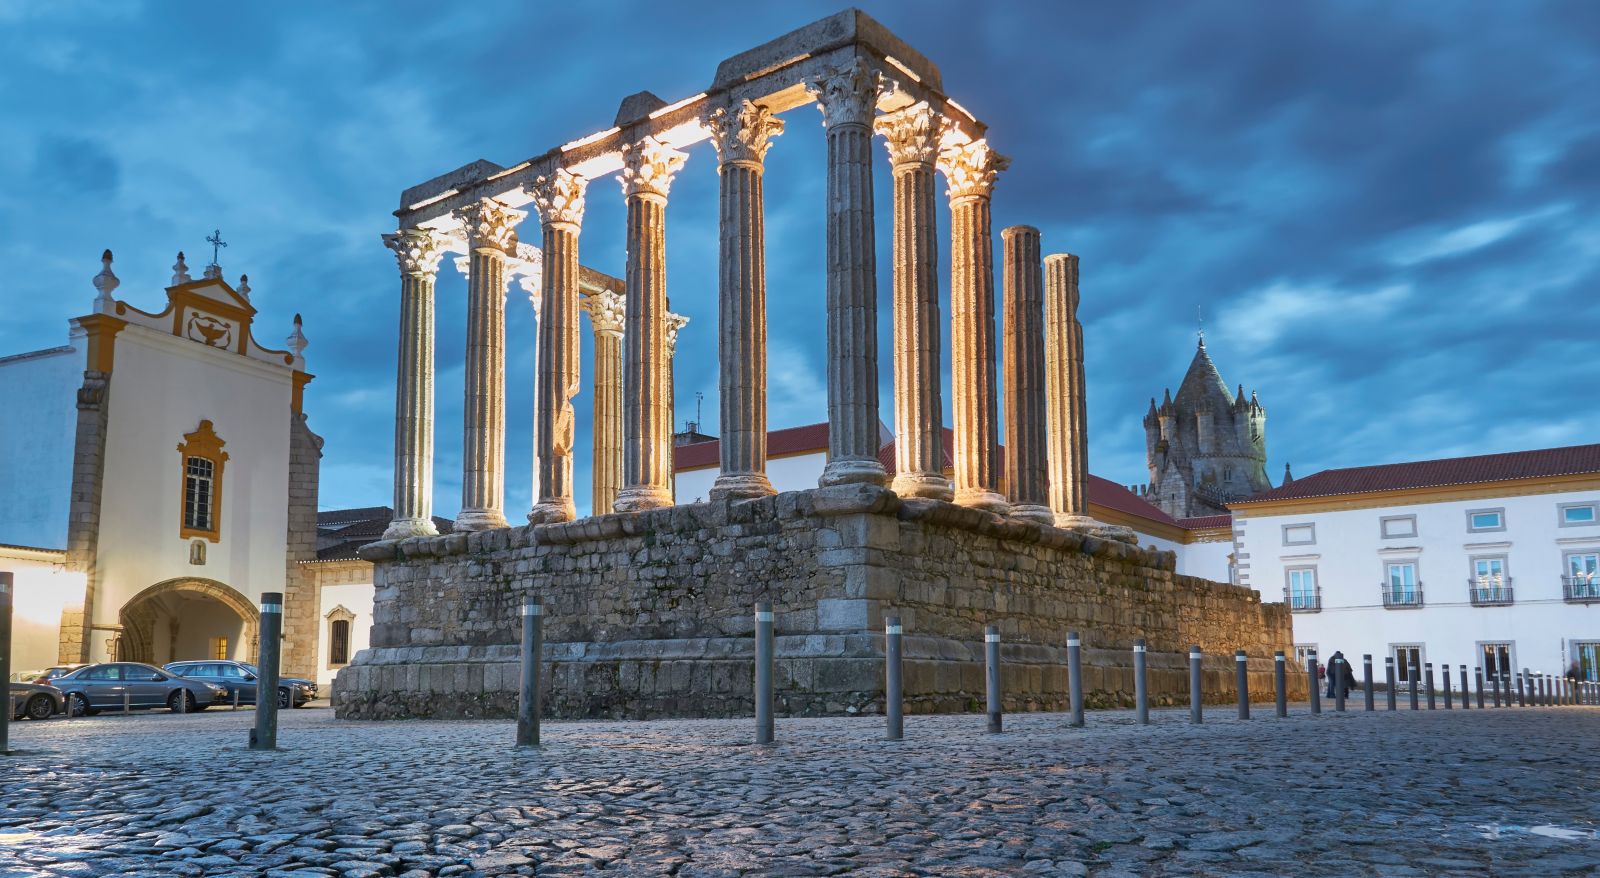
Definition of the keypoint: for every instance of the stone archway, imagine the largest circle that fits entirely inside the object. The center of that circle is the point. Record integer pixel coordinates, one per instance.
(162, 623)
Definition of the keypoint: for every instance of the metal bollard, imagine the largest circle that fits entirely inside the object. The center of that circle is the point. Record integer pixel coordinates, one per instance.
(1241, 670)
(1538, 683)
(1477, 676)
(1389, 681)
(1522, 697)
(125, 703)
(1416, 684)
(1427, 668)
(1465, 691)
(7, 583)
(530, 702)
(893, 685)
(1279, 684)
(764, 723)
(1444, 671)
(265, 734)
(236, 698)
(1337, 673)
(1075, 677)
(1494, 679)
(1141, 692)
(1311, 674)
(1366, 671)
(991, 668)
(1195, 710)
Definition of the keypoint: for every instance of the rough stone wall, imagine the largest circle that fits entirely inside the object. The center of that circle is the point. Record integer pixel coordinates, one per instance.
(650, 614)
(300, 629)
(83, 526)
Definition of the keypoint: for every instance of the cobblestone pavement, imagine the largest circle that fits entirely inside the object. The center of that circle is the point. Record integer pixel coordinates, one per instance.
(1503, 793)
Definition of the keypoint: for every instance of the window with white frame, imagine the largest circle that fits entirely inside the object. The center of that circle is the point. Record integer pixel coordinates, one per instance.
(1482, 520)
(1303, 653)
(1299, 534)
(1586, 655)
(1303, 589)
(1583, 576)
(1580, 514)
(1407, 661)
(1397, 526)
(1498, 659)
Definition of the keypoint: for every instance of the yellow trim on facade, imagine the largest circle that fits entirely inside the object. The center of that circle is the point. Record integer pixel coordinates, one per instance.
(297, 396)
(100, 334)
(205, 443)
(1418, 496)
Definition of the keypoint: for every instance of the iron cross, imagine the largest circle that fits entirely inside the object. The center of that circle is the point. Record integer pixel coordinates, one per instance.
(216, 243)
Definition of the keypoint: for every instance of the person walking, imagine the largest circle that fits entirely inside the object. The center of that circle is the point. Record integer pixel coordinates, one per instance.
(1340, 675)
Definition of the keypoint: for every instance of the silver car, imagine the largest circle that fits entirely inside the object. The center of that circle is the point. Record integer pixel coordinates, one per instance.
(110, 685)
(33, 701)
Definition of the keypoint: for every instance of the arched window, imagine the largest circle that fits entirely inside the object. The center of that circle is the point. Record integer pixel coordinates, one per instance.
(202, 457)
(339, 642)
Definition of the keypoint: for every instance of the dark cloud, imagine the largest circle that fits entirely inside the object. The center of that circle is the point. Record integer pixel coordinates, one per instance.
(75, 167)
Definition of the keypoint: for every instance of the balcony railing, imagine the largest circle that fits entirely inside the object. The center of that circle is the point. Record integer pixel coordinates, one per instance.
(1401, 597)
(1489, 591)
(1581, 589)
(1303, 602)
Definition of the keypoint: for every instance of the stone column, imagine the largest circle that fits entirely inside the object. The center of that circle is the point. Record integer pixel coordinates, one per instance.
(912, 136)
(848, 97)
(742, 138)
(528, 269)
(970, 170)
(418, 252)
(648, 168)
(490, 228)
(1027, 478)
(559, 202)
(1064, 398)
(606, 316)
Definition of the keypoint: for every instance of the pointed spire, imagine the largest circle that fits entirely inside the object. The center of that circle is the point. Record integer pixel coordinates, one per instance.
(180, 271)
(244, 286)
(105, 282)
(297, 339)
(1288, 477)
(1238, 398)
(1166, 401)
(1255, 403)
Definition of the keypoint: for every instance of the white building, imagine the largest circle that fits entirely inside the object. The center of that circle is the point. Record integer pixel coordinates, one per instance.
(1484, 561)
(159, 477)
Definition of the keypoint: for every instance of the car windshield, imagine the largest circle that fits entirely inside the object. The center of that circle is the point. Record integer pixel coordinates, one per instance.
(249, 667)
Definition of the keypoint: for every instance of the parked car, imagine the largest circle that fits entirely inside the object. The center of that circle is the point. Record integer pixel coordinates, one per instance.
(94, 688)
(44, 676)
(241, 677)
(33, 701)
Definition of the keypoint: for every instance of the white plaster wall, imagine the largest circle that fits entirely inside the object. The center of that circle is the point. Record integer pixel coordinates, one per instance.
(793, 473)
(161, 388)
(41, 589)
(1208, 560)
(1350, 557)
(357, 598)
(38, 423)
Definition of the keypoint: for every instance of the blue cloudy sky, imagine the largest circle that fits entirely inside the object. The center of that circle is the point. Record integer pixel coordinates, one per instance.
(1389, 212)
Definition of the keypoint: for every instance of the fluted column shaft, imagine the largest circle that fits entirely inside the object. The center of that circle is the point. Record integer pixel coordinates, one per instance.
(847, 97)
(742, 138)
(648, 167)
(970, 170)
(1027, 466)
(912, 137)
(1064, 392)
(559, 200)
(491, 237)
(418, 253)
(606, 316)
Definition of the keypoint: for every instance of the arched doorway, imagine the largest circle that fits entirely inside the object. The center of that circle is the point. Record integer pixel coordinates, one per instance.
(182, 619)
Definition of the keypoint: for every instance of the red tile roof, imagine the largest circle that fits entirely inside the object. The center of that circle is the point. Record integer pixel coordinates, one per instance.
(790, 440)
(1544, 462)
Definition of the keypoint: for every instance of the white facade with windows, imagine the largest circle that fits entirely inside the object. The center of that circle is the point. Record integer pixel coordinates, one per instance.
(1491, 561)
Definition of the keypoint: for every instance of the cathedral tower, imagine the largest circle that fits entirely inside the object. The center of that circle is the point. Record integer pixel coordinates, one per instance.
(1204, 447)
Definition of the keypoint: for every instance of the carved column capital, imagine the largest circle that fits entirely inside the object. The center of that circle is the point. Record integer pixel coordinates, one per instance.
(848, 95)
(743, 136)
(971, 169)
(558, 199)
(648, 168)
(607, 310)
(675, 322)
(490, 225)
(417, 250)
(912, 134)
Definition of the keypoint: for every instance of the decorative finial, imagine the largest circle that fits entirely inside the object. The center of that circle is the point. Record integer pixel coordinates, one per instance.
(1288, 477)
(244, 286)
(180, 271)
(297, 339)
(105, 282)
(1200, 326)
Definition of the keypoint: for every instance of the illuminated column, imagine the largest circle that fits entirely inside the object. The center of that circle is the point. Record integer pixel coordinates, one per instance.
(675, 324)
(848, 97)
(606, 317)
(1027, 478)
(490, 228)
(1064, 393)
(528, 269)
(970, 169)
(418, 253)
(559, 202)
(648, 167)
(742, 138)
(912, 136)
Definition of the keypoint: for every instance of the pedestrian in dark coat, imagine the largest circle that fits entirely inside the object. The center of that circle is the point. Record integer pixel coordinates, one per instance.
(1340, 674)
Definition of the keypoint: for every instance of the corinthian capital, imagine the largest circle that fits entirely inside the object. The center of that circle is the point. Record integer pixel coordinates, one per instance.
(675, 322)
(559, 198)
(417, 250)
(971, 169)
(490, 225)
(912, 134)
(606, 311)
(848, 95)
(743, 136)
(648, 167)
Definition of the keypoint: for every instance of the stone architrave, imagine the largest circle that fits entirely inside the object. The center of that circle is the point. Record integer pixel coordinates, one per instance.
(848, 97)
(912, 135)
(1027, 466)
(558, 199)
(648, 168)
(606, 316)
(418, 252)
(742, 137)
(970, 169)
(490, 229)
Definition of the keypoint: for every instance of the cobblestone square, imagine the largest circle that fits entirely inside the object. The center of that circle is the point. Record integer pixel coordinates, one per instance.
(1502, 793)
